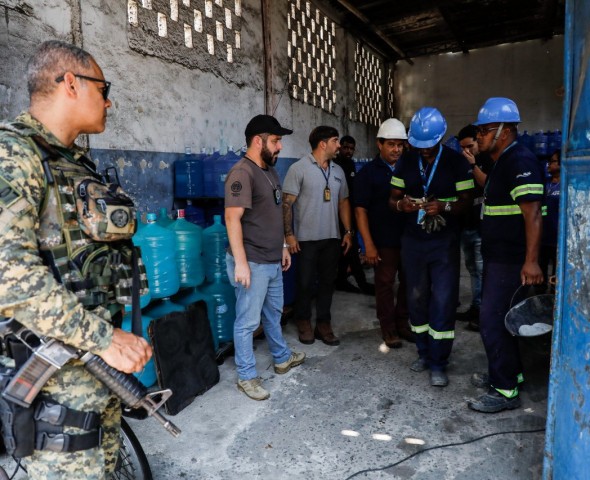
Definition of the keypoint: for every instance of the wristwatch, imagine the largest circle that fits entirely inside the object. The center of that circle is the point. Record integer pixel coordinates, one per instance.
(348, 232)
(448, 207)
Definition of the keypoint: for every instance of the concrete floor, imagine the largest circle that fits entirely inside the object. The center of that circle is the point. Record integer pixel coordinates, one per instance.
(352, 412)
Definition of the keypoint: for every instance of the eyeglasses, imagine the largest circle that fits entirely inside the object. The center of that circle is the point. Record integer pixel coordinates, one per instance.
(484, 131)
(105, 90)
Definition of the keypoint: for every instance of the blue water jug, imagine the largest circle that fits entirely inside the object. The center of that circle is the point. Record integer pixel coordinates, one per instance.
(209, 181)
(148, 375)
(158, 248)
(554, 142)
(215, 243)
(162, 307)
(188, 296)
(221, 167)
(188, 176)
(224, 314)
(526, 140)
(540, 140)
(453, 144)
(189, 246)
(194, 214)
(163, 219)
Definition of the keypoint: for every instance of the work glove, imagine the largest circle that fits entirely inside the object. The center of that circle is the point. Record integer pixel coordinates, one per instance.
(433, 223)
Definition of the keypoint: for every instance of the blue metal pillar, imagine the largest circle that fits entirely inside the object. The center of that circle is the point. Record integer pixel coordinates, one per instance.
(567, 449)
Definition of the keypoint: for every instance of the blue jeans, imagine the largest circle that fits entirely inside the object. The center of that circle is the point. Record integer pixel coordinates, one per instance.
(471, 246)
(264, 296)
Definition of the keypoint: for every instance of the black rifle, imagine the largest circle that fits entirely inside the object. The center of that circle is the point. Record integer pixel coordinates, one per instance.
(51, 354)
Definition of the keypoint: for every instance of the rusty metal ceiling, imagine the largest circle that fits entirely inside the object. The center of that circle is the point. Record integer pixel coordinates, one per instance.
(404, 29)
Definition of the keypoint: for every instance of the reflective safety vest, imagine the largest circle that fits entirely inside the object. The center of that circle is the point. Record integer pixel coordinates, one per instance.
(85, 228)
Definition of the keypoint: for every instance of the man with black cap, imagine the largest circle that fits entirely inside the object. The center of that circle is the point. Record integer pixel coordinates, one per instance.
(257, 253)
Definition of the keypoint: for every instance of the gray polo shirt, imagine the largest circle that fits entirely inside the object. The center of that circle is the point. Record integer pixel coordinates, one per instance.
(315, 219)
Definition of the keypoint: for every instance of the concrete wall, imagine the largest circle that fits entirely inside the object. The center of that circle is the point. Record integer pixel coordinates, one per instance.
(531, 73)
(166, 99)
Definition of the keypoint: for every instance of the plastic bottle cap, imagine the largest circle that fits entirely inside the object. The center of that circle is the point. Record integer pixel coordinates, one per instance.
(151, 217)
(181, 213)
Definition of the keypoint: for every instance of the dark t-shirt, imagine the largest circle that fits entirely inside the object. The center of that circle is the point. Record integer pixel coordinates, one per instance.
(452, 176)
(516, 177)
(372, 189)
(253, 188)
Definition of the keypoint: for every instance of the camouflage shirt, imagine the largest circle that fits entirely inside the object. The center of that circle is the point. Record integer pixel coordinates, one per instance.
(28, 290)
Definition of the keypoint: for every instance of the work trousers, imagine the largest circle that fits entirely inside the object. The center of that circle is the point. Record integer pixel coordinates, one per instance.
(471, 246)
(500, 283)
(392, 309)
(432, 275)
(318, 259)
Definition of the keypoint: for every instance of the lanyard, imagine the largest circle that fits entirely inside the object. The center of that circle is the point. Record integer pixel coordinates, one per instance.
(426, 182)
(487, 184)
(327, 177)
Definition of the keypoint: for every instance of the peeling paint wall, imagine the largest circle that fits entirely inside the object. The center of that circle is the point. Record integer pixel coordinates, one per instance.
(531, 73)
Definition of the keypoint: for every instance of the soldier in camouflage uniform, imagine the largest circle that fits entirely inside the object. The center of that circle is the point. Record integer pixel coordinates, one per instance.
(68, 97)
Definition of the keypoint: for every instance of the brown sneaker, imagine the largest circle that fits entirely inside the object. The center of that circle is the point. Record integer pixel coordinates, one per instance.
(253, 388)
(392, 340)
(323, 332)
(296, 358)
(305, 332)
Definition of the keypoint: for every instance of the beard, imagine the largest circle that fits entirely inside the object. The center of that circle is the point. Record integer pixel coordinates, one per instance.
(268, 157)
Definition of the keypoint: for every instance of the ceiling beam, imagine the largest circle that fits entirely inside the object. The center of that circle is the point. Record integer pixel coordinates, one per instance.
(454, 31)
(358, 14)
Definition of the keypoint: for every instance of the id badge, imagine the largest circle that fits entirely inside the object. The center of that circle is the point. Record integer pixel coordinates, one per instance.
(327, 194)
(421, 215)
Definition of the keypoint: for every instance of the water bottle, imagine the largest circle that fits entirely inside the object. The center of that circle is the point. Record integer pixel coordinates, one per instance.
(224, 314)
(526, 140)
(188, 176)
(453, 144)
(221, 167)
(148, 375)
(194, 214)
(158, 246)
(163, 219)
(540, 140)
(215, 242)
(209, 182)
(554, 142)
(189, 245)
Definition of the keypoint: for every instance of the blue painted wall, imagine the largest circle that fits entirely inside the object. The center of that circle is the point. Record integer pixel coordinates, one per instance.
(567, 450)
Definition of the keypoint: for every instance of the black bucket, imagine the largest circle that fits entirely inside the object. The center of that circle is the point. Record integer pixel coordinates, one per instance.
(532, 321)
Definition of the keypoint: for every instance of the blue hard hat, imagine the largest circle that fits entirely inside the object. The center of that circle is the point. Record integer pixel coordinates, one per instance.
(496, 110)
(427, 128)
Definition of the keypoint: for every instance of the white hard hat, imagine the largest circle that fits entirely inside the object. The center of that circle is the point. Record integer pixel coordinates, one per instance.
(392, 128)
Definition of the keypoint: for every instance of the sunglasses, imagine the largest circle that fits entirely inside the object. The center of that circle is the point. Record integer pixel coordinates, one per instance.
(105, 90)
(484, 131)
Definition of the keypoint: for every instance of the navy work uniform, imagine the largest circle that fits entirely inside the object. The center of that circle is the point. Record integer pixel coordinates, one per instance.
(514, 178)
(432, 259)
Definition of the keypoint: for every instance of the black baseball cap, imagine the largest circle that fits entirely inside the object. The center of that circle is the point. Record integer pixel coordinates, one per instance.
(265, 124)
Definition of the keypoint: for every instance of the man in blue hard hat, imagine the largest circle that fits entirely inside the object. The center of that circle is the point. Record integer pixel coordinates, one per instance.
(511, 236)
(433, 185)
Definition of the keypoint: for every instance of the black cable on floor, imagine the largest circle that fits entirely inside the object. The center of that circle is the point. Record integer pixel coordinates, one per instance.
(368, 470)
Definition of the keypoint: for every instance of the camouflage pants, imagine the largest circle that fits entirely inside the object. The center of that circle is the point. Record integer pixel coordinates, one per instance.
(74, 387)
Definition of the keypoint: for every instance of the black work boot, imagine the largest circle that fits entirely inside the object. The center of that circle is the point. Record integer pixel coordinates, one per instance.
(493, 402)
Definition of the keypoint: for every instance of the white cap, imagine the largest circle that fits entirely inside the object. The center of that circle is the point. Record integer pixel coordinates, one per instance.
(392, 128)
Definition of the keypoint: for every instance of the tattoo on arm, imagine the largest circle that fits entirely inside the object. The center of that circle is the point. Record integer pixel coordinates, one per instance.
(288, 201)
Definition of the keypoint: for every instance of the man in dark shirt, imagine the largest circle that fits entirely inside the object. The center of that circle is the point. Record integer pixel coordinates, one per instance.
(433, 186)
(381, 230)
(350, 259)
(511, 235)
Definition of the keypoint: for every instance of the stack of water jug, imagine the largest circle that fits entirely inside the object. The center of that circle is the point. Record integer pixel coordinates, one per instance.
(184, 264)
(541, 143)
(203, 175)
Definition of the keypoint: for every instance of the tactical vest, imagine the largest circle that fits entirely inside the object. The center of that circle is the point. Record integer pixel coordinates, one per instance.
(85, 228)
